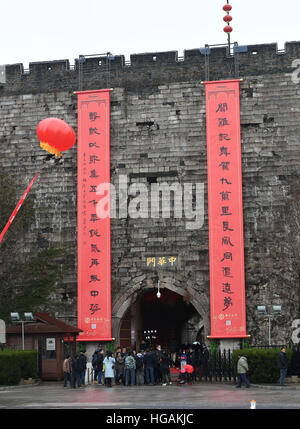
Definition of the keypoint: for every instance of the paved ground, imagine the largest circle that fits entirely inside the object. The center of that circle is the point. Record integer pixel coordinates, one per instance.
(52, 395)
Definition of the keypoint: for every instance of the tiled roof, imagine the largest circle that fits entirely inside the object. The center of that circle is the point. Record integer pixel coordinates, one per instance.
(43, 323)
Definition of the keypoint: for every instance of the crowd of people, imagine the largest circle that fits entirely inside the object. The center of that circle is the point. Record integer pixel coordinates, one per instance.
(152, 366)
(74, 369)
(130, 367)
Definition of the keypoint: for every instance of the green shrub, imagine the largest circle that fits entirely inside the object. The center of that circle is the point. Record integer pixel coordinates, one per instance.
(29, 364)
(262, 364)
(17, 364)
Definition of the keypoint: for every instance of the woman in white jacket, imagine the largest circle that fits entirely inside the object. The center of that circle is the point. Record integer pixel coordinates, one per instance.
(109, 363)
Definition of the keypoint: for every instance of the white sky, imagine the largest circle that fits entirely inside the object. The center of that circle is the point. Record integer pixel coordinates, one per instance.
(39, 30)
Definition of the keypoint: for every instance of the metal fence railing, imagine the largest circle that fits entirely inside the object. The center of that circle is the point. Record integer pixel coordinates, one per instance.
(218, 367)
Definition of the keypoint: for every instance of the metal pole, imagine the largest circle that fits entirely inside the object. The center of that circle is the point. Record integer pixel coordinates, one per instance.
(270, 330)
(228, 37)
(23, 335)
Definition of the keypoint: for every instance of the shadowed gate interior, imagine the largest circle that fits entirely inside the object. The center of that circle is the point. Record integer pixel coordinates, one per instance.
(160, 320)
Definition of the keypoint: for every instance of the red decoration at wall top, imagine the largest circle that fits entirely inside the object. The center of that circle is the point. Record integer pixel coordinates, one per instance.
(227, 18)
(228, 29)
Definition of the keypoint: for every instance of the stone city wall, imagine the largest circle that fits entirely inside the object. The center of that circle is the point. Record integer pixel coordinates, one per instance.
(158, 135)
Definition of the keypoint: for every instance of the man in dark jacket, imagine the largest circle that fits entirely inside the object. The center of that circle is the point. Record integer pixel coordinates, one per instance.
(75, 374)
(99, 366)
(82, 366)
(94, 365)
(191, 360)
(205, 362)
(157, 367)
(282, 365)
(149, 367)
(165, 365)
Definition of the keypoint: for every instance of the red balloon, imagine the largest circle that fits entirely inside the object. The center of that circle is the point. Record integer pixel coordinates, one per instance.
(227, 18)
(55, 135)
(227, 7)
(228, 29)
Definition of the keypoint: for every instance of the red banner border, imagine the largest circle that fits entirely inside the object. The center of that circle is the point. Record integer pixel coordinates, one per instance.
(233, 336)
(83, 338)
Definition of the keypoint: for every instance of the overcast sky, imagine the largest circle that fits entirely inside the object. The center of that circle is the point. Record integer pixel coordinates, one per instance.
(39, 30)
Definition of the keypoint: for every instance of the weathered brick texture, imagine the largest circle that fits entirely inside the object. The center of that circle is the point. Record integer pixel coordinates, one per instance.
(158, 130)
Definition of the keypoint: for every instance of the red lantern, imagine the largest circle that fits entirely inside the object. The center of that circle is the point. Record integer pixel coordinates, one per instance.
(228, 29)
(55, 135)
(227, 18)
(227, 7)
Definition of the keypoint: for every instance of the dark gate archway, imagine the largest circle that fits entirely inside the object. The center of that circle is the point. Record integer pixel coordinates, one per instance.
(161, 320)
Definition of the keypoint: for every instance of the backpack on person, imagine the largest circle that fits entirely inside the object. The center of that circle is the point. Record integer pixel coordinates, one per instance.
(94, 359)
(139, 362)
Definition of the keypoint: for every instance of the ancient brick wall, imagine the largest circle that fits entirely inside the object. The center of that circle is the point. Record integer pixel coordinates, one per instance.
(158, 135)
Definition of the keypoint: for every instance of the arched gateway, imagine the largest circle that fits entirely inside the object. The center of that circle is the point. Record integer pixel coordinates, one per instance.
(180, 314)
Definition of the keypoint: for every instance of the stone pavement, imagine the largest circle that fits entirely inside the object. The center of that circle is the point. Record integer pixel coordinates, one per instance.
(52, 395)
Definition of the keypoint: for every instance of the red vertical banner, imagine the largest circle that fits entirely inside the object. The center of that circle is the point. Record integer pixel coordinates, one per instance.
(93, 233)
(225, 210)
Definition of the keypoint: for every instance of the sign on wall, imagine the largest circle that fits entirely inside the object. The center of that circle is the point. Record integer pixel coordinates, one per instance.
(170, 261)
(50, 344)
(225, 210)
(94, 260)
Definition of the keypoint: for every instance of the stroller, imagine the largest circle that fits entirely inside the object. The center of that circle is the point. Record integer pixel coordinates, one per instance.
(182, 377)
(185, 375)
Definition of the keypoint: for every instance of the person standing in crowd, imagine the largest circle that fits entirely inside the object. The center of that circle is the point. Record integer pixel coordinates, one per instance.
(157, 368)
(149, 367)
(173, 349)
(194, 360)
(205, 361)
(282, 365)
(119, 368)
(242, 368)
(166, 363)
(191, 360)
(197, 362)
(129, 369)
(183, 359)
(67, 370)
(98, 367)
(139, 366)
(143, 346)
(94, 364)
(82, 367)
(109, 363)
(75, 372)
